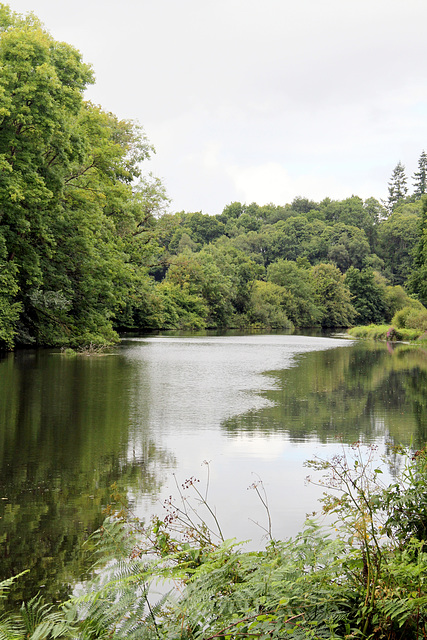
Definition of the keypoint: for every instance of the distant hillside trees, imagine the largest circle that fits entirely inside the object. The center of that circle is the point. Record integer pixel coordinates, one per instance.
(88, 246)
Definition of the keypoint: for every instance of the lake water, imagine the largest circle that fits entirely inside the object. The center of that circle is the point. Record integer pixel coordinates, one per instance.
(154, 411)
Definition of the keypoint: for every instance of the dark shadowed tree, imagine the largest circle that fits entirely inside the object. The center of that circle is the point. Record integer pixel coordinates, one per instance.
(418, 279)
(397, 237)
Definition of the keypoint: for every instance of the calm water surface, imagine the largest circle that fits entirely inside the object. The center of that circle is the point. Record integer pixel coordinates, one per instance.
(152, 412)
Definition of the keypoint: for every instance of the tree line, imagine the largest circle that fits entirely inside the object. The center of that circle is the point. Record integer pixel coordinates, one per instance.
(398, 185)
(88, 247)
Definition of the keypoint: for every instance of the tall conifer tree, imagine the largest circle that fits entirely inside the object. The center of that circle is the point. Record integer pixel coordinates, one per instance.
(420, 176)
(397, 187)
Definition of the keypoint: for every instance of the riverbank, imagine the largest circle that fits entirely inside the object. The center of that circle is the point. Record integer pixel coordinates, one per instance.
(388, 333)
(365, 578)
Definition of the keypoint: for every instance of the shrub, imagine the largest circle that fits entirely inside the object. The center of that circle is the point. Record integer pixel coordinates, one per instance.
(411, 318)
(367, 581)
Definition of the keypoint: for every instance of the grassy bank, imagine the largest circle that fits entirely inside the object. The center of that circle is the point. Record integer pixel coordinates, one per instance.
(388, 332)
(408, 324)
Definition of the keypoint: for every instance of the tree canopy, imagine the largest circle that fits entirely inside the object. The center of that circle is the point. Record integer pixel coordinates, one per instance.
(69, 212)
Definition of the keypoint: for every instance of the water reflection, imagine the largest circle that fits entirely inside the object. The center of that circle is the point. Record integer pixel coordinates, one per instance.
(254, 406)
(368, 392)
(64, 426)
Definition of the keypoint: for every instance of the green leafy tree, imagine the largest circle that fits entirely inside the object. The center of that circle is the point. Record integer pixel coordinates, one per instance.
(332, 296)
(202, 228)
(296, 279)
(368, 297)
(295, 237)
(304, 205)
(347, 246)
(396, 298)
(68, 207)
(198, 274)
(239, 268)
(268, 306)
(180, 307)
(9, 309)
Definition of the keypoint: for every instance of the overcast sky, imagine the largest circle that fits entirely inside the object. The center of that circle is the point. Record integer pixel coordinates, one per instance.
(259, 100)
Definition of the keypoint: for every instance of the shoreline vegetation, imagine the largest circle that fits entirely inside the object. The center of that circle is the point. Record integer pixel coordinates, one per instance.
(409, 324)
(388, 333)
(364, 577)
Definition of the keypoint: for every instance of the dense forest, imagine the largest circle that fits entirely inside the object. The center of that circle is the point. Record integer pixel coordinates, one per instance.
(89, 247)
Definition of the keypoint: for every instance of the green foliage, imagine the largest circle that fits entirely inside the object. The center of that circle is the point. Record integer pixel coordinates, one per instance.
(385, 332)
(70, 221)
(371, 331)
(296, 279)
(405, 502)
(268, 306)
(308, 232)
(332, 296)
(396, 298)
(397, 238)
(9, 307)
(420, 176)
(201, 276)
(86, 249)
(411, 317)
(366, 581)
(180, 308)
(356, 213)
(391, 582)
(418, 280)
(409, 321)
(368, 297)
(34, 620)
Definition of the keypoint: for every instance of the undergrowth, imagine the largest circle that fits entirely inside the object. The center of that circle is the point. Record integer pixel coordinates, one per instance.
(363, 578)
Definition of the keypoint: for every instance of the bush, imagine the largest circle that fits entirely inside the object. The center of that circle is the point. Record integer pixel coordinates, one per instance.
(396, 298)
(411, 318)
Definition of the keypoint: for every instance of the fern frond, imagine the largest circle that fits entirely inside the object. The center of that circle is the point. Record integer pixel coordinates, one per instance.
(5, 585)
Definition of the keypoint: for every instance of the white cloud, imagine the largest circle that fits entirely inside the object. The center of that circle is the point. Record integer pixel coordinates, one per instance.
(271, 182)
(259, 99)
(261, 447)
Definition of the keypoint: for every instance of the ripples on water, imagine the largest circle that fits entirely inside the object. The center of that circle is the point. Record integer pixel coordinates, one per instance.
(196, 383)
(151, 412)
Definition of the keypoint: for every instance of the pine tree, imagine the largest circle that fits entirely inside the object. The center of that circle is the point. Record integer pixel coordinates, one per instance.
(420, 176)
(397, 188)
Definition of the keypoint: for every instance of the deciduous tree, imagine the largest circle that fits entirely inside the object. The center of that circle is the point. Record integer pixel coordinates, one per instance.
(69, 214)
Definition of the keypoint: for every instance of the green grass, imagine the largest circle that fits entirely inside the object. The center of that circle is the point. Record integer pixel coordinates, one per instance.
(387, 332)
